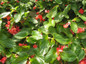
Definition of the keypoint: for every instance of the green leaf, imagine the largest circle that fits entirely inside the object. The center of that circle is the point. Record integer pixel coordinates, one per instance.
(68, 56)
(77, 51)
(74, 27)
(4, 14)
(51, 55)
(38, 60)
(17, 17)
(60, 39)
(82, 35)
(59, 1)
(6, 42)
(0, 24)
(59, 16)
(52, 12)
(66, 10)
(23, 33)
(83, 42)
(44, 45)
(82, 17)
(36, 35)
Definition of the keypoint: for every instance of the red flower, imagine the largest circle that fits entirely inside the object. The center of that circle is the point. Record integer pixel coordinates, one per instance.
(83, 61)
(17, 1)
(36, 0)
(66, 5)
(8, 17)
(72, 32)
(2, 3)
(3, 60)
(34, 46)
(80, 30)
(32, 56)
(39, 17)
(14, 30)
(85, 22)
(37, 13)
(20, 44)
(81, 11)
(53, 18)
(66, 25)
(58, 58)
(34, 8)
(47, 11)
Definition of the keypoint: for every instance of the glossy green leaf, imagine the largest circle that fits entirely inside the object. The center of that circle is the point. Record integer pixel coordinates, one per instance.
(36, 35)
(4, 14)
(52, 12)
(23, 33)
(51, 55)
(60, 39)
(74, 27)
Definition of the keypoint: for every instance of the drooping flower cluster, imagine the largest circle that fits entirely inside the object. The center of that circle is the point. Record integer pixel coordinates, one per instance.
(59, 49)
(3, 60)
(80, 30)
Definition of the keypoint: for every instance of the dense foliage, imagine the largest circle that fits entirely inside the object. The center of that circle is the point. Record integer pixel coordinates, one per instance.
(42, 31)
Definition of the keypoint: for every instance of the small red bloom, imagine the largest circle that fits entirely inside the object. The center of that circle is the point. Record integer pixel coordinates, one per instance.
(3, 60)
(37, 13)
(34, 46)
(53, 18)
(32, 56)
(20, 44)
(36, 0)
(58, 58)
(8, 17)
(66, 25)
(17, 1)
(85, 22)
(80, 30)
(39, 17)
(71, 31)
(24, 44)
(81, 11)
(47, 11)
(83, 61)
(2, 3)
(34, 8)
(66, 5)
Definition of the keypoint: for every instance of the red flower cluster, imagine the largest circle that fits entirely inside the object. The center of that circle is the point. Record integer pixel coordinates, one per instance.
(32, 56)
(66, 25)
(8, 17)
(37, 13)
(14, 30)
(47, 11)
(80, 30)
(22, 44)
(39, 17)
(83, 61)
(81, 11)
(17, 1)
(34, 46)
(3, 60)
(59, 49)
(85, 22)
(36, 0)
(34, 7)
(2, 3)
